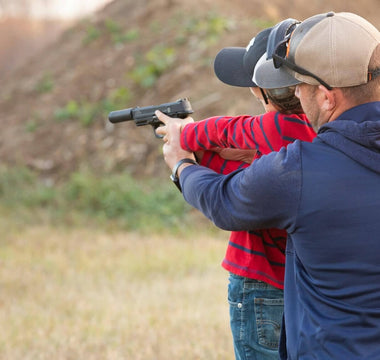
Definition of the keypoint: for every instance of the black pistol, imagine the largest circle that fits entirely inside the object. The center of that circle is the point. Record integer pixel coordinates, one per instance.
(145, 115)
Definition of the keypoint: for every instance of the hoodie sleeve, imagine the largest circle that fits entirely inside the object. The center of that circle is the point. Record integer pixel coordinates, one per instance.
(264, 195)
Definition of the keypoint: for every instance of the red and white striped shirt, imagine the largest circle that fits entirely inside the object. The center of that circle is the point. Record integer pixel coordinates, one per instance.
(258, 254)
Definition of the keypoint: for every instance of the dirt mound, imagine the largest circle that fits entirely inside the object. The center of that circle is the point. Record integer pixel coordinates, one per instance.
(54, 107)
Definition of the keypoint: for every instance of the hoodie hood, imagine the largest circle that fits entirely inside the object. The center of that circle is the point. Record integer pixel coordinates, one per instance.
(356, 133)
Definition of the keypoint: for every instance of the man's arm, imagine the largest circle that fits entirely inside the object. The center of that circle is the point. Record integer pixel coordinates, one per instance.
(264, 195)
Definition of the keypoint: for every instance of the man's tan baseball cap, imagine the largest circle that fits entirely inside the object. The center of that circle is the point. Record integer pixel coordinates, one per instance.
(331, 48)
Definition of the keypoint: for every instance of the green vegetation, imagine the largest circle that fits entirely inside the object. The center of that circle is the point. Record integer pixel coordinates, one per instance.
(69, 111)
(45, 84)
(92, 33)
(32, 125)
(119, 98)
(109, 28)
(87, 112)
(209, 29)
(119, 36)
(152, 65)
(114, 200)
(83, 111)
(132, 204)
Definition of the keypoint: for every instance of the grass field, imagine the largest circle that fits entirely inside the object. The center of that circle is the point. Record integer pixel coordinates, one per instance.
(88, 293)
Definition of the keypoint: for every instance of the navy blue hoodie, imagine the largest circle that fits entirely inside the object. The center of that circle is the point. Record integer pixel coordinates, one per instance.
(326, 194)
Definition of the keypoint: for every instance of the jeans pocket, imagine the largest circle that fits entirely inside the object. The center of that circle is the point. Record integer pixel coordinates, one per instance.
(268, 319)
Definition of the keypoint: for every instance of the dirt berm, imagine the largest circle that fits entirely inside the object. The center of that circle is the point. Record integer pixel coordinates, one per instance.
(54, 105)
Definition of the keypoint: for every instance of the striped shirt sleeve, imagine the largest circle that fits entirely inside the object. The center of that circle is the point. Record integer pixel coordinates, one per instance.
(265, 133)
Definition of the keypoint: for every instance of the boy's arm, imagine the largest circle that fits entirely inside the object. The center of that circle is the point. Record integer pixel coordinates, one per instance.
(276, 130)
(265, 133)
(219, 131)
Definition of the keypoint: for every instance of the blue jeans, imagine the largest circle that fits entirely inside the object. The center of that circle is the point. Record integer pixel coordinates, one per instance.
(256, 310)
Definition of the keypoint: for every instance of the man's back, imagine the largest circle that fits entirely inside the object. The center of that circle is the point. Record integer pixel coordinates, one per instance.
(333, 253)
(327, 196)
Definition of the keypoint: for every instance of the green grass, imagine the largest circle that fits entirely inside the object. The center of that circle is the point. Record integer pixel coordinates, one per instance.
(111, 201)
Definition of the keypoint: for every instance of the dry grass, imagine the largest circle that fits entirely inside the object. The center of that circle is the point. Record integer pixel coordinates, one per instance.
(88, 294)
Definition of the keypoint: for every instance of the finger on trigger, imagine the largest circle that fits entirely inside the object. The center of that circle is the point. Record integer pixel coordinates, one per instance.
(161, 116)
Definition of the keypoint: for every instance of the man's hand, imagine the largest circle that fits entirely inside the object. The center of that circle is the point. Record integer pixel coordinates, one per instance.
(172, 146)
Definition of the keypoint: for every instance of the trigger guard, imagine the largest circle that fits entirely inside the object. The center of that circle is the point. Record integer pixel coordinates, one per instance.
(155, 134)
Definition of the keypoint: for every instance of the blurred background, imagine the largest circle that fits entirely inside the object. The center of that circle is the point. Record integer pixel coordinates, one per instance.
(96, 244)
(65, 65)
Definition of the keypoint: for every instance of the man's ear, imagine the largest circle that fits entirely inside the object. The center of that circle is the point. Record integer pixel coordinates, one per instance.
(327, 98)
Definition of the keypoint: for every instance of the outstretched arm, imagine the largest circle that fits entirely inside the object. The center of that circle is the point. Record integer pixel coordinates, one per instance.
(219, 132)
(238, 201)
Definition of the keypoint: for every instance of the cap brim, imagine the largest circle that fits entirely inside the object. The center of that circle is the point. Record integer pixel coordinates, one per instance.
(229, 67)
(268, 77)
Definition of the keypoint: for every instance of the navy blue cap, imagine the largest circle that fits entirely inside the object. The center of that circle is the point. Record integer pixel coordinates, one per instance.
(235, 65)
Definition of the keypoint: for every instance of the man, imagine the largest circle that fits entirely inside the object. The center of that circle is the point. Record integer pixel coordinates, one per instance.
(255, 259)
(326, 194)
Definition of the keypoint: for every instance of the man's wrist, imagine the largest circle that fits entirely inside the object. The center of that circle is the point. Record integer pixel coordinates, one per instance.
(175, 171)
